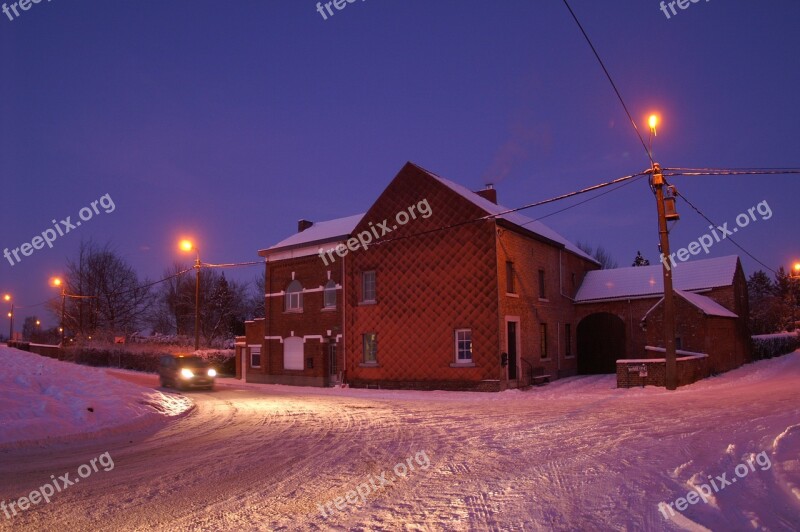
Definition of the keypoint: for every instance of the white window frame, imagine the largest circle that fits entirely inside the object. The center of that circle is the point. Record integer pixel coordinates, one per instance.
(364, 275)
(294, 298)
(458, 349)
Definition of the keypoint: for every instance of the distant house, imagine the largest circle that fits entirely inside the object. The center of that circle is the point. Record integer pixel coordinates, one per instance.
(439, 287)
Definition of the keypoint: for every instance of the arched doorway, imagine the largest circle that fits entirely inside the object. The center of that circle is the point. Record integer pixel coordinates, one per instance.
(601, 342)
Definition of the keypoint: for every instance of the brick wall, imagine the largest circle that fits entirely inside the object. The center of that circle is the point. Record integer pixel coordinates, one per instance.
(563, 273)
(689, 369)
(427, 286)
(715, 336)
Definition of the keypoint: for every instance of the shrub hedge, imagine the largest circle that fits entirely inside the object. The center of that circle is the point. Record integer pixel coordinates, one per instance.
(774, 345)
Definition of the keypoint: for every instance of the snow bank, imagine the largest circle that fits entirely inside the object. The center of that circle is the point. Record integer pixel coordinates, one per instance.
(42, 398)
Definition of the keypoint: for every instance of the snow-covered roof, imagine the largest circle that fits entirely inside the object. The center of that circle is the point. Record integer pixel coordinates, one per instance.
(644, 281)
(514, 217)
(321, 232)
(705, 304)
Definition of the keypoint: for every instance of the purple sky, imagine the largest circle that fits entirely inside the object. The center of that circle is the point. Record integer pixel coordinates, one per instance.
(229, 121)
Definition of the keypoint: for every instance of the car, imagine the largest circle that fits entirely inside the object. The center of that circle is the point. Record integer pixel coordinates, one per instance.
(186, 371)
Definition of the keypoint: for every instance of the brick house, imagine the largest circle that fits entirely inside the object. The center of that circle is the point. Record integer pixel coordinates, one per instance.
(448, 283)
(439, 287)
(620, 314)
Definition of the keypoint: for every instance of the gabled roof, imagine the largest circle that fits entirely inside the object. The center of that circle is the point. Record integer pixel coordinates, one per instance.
(513, 217)
(647, 281)
(708, 306)
(320, 232)
(338, 229)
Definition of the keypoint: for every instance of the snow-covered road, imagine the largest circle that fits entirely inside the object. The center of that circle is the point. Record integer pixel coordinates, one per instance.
(575, 454)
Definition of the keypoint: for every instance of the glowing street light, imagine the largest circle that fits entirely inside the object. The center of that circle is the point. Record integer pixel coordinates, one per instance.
(187, 245)
(653, 122)
(795, 270)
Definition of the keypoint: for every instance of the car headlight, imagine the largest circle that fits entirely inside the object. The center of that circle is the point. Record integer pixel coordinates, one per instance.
(187, 373)
(212, 372)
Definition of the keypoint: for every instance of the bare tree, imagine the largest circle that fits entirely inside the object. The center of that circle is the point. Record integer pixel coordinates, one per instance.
(104, 295)
(173, 308)
(600, 255)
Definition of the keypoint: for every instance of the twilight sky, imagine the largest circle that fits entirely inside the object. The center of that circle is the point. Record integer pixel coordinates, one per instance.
(229, 121)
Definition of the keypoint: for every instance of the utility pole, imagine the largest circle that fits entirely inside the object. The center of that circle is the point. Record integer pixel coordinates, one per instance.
(63, 312)
(669, 304)
(197, 304)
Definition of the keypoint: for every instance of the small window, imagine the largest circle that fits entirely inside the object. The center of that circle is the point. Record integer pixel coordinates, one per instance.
(510, 277)
(370, 348)
(542, 293)
(573, 279)
(678, 342)
(294, 297)
(255, 357)
(463, 346)
(329, 295)
(568, 339)
(368, 287)
(543, 339)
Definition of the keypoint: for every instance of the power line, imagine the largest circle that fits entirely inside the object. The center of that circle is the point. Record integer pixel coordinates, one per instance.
(670, 173)
(231, 265)
(587, 200)
(614, 85)
(684, 198)
(516, 209)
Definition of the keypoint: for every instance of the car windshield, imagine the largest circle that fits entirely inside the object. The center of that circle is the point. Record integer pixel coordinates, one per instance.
(192, 362)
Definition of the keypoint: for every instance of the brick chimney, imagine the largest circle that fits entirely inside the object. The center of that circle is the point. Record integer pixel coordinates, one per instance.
(302, 225)
(489, 193)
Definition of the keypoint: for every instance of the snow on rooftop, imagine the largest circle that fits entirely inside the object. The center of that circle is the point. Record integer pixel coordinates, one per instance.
(514, 217)
(705, 304)
(648, 280)
(321, 232)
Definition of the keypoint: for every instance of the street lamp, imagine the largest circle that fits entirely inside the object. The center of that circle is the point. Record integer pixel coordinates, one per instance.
(658, 183)
(57, 282)
(187, 245)
(794, 274)
(7, 298)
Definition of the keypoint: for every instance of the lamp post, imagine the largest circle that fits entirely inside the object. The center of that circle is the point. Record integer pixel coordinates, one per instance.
(187, 245)
(794, 274)
(658, 183)
(7, 298)
(58, 283)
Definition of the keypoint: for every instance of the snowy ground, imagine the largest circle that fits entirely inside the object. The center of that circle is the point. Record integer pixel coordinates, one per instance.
(575, 454)
(44, 399)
